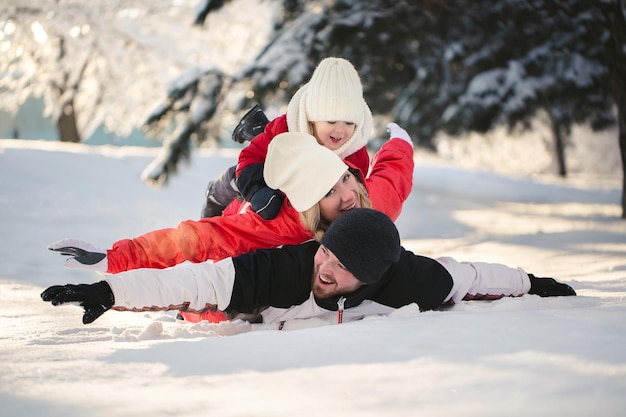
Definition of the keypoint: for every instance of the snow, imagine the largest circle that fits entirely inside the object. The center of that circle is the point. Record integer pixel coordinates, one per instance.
(527, 356)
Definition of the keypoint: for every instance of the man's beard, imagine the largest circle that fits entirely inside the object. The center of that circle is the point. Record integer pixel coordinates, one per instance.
(318, 290)
(329, 291)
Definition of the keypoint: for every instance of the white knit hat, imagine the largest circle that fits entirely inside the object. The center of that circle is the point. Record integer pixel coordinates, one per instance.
(334, 93)
(301, 168)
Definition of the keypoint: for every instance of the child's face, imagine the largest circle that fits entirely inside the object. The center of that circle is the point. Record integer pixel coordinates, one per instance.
(343, 197)
(333, 134)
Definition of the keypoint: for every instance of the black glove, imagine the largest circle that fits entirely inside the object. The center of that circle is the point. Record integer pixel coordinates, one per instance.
(266, 202)
(549, 287)
(95, 299)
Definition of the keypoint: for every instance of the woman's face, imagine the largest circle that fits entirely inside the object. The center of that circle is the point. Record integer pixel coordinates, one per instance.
(333, 134)
(343, 197)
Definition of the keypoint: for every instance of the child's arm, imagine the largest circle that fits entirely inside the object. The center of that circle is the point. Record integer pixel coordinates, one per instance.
(264, 200)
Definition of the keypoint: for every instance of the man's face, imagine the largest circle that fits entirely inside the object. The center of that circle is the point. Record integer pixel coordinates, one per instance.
(330, 277)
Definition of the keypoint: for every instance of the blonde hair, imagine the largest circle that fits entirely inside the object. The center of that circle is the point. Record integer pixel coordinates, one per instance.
(316, 224)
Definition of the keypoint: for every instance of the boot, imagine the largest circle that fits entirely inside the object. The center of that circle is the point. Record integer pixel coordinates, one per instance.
(219, 194)
(549, 287)
(211, 208)
(251, 124)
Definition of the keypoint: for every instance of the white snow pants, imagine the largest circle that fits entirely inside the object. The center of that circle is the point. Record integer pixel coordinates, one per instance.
(484, 281)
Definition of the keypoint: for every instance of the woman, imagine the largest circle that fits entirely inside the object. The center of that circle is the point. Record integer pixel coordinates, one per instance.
(314, 179)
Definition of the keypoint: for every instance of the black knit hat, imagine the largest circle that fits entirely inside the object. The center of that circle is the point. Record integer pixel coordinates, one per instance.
(365, 241)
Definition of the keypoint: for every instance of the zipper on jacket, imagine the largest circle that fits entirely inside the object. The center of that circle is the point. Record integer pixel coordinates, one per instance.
(340, 304)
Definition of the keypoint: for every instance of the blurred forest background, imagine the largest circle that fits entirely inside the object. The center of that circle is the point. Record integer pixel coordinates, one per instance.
(184, 71)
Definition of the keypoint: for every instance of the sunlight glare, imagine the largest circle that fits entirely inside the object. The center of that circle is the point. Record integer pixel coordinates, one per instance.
(9, 27)
(39, 33)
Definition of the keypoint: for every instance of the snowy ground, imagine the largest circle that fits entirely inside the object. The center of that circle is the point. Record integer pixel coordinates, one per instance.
(512, 357)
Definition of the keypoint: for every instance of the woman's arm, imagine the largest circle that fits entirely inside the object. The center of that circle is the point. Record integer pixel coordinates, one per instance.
(212, 238)
(391, 178)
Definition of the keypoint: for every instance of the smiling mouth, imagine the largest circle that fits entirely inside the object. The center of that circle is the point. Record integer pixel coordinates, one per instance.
(325, 281)
(335, 140)
(353, 205)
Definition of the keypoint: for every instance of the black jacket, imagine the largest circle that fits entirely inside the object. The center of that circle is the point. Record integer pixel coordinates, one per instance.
(282, 278)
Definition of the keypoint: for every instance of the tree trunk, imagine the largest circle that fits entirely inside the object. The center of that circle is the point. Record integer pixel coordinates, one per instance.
(616, 19)
(66, 124)
(621, 114)
(558, 131)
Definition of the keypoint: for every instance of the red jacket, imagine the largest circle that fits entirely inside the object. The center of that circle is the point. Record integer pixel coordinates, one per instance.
(256, 150)
(389, 185)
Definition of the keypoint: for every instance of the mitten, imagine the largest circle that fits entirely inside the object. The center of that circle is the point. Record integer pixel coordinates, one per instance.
(82, 255)
(95, 299)
(266, 202)
(397, 132)
(250, 180)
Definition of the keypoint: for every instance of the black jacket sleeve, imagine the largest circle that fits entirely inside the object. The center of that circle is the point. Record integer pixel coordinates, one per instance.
(250, 180)
(414, 279)
(278, 277)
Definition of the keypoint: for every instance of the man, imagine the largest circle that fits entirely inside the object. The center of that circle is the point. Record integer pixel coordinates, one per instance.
(358, 267)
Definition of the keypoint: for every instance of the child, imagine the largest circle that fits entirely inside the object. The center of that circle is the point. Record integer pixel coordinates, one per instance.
(330, 107)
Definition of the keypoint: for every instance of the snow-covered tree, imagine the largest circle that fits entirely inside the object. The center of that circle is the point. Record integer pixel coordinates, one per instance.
(452, 65)
(614, 12)
(563, 58)
(96, 63)
(186, 116)
(550, 57)
(374, 34)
